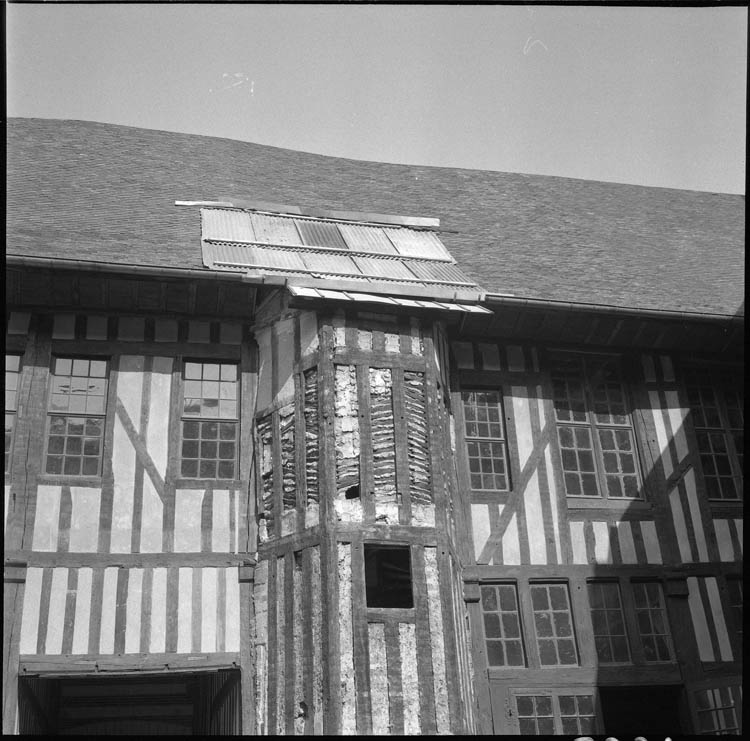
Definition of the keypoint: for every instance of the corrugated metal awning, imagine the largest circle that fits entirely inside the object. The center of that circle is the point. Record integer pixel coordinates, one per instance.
(359, 297)
(398, 260)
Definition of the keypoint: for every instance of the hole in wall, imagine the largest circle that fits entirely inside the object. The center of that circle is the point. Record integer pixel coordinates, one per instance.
(388, 581)
(352, 492)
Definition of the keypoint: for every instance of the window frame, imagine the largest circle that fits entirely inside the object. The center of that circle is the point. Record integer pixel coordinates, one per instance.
(594, 426)
(625, 623)
(181, 418)
(542, 582)
(12, 413)
(467, 387)
(50, 414)
(554, 692)
(729, 384)
(733, 684)
(632, 630)
(523, 638)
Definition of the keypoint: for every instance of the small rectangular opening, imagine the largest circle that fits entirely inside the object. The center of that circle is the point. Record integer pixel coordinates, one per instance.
(388, 575)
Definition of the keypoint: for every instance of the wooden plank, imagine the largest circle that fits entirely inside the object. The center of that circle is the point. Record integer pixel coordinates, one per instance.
(128, 560)
(289, 605)
(96, 665)
(121, 609)
(69, 612)
(197, 616)
(359, 639)
(367, 491)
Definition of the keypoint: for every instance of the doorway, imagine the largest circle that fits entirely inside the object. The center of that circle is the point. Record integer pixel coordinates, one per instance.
(205, 703)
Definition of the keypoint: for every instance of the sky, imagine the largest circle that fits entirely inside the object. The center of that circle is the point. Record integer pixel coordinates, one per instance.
(644, 95)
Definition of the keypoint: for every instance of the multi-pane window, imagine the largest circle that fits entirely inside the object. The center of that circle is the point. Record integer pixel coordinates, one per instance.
(502, 625)
(12, 376)
(653, 626)
(210, 420)
(717, 711)
(734, 588)
(557, 713)
(594, 429)
(553, 624)
(716, 405)
(607, 618)
(76, 416)
(485, 440)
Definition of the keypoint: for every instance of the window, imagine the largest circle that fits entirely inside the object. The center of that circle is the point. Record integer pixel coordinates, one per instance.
(608, 621)
(594, 429)
(210, 421)
(485, 440)
(734, 588)
(553, 624)
(555, 712)
(653, 626)
(388, 576)
(502, 625)
(76, 416)
(717, 712)
(12, 376)
(716, 405)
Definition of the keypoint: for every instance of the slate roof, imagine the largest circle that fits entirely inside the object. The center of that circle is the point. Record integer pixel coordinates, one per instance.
(92, 191)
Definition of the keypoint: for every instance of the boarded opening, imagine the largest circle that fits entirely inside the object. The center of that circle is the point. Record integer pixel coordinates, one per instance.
(201, 703)
(388, 576)
(641, 711)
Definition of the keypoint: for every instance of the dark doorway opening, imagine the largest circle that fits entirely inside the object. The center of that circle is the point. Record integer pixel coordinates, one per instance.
(205, 703)
(640, 711)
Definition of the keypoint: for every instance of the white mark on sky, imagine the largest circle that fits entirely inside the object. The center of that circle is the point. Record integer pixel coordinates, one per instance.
(234, 79)
(529, 45)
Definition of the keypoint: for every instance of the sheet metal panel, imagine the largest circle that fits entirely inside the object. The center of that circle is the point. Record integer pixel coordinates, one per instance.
(320, 234)
(243, 257)
(412, 243)
(319, 262)
(367, 239)
(275, 229)
(443, 272)
(226, 226)
(392, 269)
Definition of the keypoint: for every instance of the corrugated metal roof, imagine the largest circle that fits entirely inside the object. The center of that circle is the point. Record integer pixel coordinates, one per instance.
(389, 269)
(333, 295)
(226, 225)
(320, 234)
(324, 262)
(442, 272)
(367, 239)
(316, 248)
(274, 229)
(413, 243)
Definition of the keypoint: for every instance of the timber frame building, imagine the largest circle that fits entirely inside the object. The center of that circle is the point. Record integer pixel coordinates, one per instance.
(280, 462)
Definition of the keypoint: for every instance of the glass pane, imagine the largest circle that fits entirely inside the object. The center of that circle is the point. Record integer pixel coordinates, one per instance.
(495, 654)
(525, 705)
(489, 600)
(207, 470)
(492, 626)
(226, 470)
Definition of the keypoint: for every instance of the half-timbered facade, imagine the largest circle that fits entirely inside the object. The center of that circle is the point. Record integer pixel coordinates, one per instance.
(314, 468)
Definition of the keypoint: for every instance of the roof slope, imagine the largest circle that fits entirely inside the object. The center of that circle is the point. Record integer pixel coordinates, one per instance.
(82, 190)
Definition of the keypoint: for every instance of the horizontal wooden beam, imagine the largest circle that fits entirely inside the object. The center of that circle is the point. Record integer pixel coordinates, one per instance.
(82, 665)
